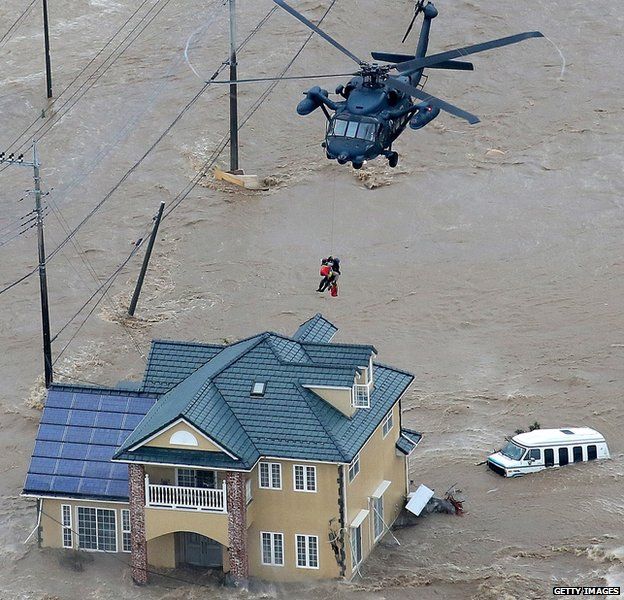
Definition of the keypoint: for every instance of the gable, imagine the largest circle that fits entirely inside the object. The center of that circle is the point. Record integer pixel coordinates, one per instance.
(183, 436)
(339, 398)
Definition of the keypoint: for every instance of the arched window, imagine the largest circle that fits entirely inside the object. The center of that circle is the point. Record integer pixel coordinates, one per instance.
(183, 438)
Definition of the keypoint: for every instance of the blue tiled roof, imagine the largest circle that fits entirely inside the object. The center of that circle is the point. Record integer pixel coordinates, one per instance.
(289, 420)
(408, 440)
(316, 329)
(79, 432)
(169, 363)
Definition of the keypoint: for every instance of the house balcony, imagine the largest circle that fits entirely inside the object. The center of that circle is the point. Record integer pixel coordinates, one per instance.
(202, 499)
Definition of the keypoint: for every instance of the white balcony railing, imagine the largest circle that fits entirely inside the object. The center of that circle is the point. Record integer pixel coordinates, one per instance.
(361, 395)
(185, 498)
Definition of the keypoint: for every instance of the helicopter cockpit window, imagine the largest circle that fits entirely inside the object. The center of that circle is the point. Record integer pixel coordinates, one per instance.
(339, 127)
(366, 131)
(352, 129)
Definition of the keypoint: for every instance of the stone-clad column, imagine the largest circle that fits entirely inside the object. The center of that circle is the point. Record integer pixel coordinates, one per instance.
(237, 527)
(136, 476)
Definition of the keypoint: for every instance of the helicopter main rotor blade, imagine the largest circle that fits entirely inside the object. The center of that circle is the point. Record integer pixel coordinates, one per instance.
(318, 30)
(441, 104)
(411, 66)
(289, 78)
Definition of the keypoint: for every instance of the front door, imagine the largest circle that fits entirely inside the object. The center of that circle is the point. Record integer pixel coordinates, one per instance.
(549, 457)
(199, 551)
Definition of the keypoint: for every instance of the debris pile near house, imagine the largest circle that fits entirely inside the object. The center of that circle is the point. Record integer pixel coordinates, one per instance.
(423, 502)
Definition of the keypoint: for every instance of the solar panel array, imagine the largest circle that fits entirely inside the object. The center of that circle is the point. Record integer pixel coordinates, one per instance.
(80, 430)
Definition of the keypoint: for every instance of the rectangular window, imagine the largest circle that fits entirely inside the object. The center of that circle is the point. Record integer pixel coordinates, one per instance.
(304, 478)
(592, 452)
(577, 453)
(354, 468)
(126, 538)
(356, 546)
(563, 457)
(67, 526)
(378, 517)
(248, 491)
(307, 551)
(272, 546)
(97, 529)
(535, 454)
(387, 424)
(196, 478)
(270, 475)
(186, 477)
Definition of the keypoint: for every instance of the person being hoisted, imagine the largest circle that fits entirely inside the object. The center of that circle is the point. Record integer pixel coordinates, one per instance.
(325, 273)
(330, 271)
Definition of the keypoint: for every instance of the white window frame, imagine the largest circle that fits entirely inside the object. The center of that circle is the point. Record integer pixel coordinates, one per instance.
(97, 529)
(271, 476)
(356, 534)
(305, 471)
(248, 490)
(307, 539)
(355, 464)
(389, 418)
(272, 537)
(126, 531)
(66, 520)
(378, 517)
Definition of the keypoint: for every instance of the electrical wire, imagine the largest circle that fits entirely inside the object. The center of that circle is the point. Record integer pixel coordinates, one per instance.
(16, 24)
(225, 140)
(90, 80)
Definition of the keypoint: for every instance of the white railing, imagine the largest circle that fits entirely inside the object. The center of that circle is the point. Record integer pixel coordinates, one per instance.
(361, 395)
(185, 498)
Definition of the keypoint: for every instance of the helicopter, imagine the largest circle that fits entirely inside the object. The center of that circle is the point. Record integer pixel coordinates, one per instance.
(376, 105)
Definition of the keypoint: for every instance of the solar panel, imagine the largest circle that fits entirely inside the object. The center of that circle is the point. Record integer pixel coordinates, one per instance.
(86, 418)
(79, 433)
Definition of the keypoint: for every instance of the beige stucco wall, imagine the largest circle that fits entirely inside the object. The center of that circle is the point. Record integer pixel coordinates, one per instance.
(289, 512)
(378, 462)
(51, 519)
(160, 521)
(161, 551)
(162, 440)
(339, 399)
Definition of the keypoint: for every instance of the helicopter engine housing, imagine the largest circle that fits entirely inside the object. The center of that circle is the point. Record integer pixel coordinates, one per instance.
(314, 98)
(425, 114)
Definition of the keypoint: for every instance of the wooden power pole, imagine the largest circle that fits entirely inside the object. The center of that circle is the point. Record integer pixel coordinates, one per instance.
(43, 280)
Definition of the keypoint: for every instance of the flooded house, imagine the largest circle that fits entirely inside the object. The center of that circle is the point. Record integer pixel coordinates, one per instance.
(280, 458)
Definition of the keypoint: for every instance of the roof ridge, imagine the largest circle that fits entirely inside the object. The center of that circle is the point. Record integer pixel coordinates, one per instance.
(180, 343)
(74, 387)
(385, 366)
(341, 345)
(327, 431)
(238, 420)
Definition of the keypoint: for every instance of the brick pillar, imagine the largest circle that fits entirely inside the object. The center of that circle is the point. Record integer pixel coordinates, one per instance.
(136, 476)
(237, 528)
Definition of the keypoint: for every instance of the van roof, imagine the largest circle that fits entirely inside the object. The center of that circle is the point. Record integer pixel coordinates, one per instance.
(564, 435)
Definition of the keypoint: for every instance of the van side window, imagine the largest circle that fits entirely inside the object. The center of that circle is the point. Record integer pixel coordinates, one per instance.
(577, 454)
(536, 454)
(549, 457)
(591, 453)
(563, 457)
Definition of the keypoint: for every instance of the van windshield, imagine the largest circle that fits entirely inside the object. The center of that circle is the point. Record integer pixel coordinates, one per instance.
(512, 451)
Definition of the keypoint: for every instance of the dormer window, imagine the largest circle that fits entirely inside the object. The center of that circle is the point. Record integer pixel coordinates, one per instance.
(258, 388)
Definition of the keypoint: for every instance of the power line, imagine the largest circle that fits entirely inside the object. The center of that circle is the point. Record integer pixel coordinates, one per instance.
(58, 116)
(16, 23)
(224, 142)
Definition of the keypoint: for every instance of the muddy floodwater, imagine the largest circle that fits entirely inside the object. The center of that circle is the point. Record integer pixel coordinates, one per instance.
(490, 263)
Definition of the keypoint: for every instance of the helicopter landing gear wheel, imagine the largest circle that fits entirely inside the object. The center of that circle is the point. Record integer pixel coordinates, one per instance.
(357, 165)
(393, 159)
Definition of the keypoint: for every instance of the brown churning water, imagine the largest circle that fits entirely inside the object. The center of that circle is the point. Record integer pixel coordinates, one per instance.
(489, 263)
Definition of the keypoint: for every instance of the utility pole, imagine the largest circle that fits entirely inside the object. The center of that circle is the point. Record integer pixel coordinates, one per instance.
(43, 281)
(233, 92)
(146, 258)
(46, 43)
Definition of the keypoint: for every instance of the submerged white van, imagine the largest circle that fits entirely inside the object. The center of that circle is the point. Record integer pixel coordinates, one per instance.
(542, 448)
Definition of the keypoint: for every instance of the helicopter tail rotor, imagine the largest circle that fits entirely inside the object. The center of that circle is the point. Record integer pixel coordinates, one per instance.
(418, 8)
